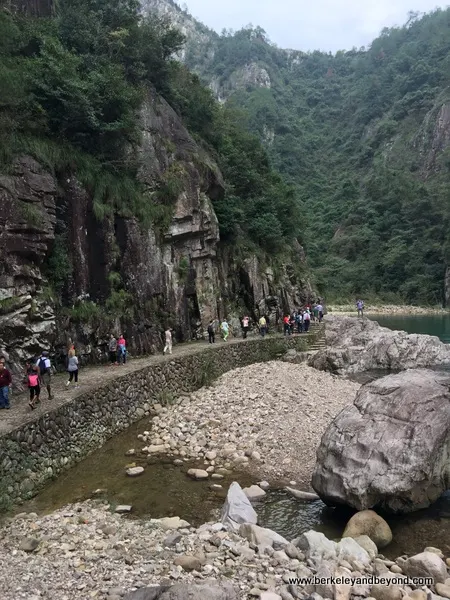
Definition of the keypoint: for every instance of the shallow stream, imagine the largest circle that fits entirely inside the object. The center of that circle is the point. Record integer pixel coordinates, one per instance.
(165, 490)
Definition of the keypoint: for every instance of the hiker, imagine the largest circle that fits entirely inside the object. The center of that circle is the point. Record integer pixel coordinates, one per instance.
(225, 328)
(319, 309)
(45, 373)
(299, 321)
(72, 368)
(5, 382)
(306, 320)
(263, 326)
(287, 327)
(121, 350)
(112, 349)
(168, 346)
(360, 307)
(211, 332)
(32, 381)
(245, 322)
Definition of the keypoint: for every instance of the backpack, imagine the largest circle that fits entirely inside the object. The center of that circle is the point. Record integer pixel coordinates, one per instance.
(42, 368)
(33, 380)
(210, 329)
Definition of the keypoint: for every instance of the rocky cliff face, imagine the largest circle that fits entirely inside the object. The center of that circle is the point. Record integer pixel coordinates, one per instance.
(145, 278)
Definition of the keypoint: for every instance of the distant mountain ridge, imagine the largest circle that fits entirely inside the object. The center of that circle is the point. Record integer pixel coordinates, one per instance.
(365, 138)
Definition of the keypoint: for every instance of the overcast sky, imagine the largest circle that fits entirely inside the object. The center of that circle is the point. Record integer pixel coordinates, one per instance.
(310, 24)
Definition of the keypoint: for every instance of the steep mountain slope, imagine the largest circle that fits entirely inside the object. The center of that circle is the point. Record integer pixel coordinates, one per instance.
(364, 135)
(123, 204)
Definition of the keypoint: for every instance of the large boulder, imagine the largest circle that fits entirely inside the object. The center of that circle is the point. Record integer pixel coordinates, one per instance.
(185, 591)
(367, 522)
(425, 564)
(390, 448)
(237, 509)
(355, 345)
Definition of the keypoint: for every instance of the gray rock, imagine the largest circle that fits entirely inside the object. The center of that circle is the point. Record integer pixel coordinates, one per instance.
(172, 539)
(134, 471)
(369, 546)
(237, 509)
(198, 474)
(299, 495)
(443, 590)
(426, 564)
(356, 345)
(348, 549)
(261, 536)
(368, 522)
(188, 563)
(28, 544)
(184, 591)
(409, 470)
(316, 546)
(254, 493)
(123, 508)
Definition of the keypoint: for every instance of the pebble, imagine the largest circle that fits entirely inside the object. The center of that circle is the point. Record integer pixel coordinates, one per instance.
(134, 471)
(123, 508)
(257, 430)
(90, 547)
(198, 474)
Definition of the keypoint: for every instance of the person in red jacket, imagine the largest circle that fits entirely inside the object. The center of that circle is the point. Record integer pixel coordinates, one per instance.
(5, 382)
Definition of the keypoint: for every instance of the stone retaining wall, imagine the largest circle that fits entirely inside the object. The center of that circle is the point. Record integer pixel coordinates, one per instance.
(40, 450)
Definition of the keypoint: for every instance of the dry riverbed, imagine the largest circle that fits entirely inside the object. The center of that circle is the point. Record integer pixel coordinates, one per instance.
(268, 418)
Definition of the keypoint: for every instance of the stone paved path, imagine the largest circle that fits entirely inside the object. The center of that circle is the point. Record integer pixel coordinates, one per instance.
(90, 378)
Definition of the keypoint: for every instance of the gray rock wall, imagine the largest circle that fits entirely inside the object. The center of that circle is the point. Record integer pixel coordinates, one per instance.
(41, 449)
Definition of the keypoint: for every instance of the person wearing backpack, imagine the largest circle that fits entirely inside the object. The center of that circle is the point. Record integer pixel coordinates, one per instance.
(121, 350)
(32, 381)
(45, 373)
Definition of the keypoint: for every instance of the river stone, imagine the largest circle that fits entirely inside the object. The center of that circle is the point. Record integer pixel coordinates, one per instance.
(369, 546)
(386, 592)
(369, 523)
(443, 590)
(237, 508)
(306, 496)
(188, 563)
(134, 471)
(348, 549)
(28, 544)
(315, 545)
(425, 564)
(254, 493)
(156, 449)
(168, 523)
(260, 535)
(389, 449)
(198, 474)
(185, 591)
(123, 508)
(266, 595)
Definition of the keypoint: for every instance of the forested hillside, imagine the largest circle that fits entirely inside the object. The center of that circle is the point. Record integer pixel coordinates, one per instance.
(72, 87)
(364, 137)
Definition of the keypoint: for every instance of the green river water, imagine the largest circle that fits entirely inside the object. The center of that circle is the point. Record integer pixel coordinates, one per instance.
(165, 490)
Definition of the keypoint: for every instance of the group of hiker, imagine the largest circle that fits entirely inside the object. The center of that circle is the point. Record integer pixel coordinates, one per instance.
(38, 374)
(297, 322)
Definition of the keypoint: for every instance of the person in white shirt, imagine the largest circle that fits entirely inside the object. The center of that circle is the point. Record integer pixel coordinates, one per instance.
(168, 346)
(45, 373)
(245, 323)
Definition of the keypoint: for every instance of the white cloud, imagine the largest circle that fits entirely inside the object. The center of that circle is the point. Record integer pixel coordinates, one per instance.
(310, 24)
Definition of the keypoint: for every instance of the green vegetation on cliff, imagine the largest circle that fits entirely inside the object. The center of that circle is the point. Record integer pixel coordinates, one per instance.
(364, 137)
(73, 87)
